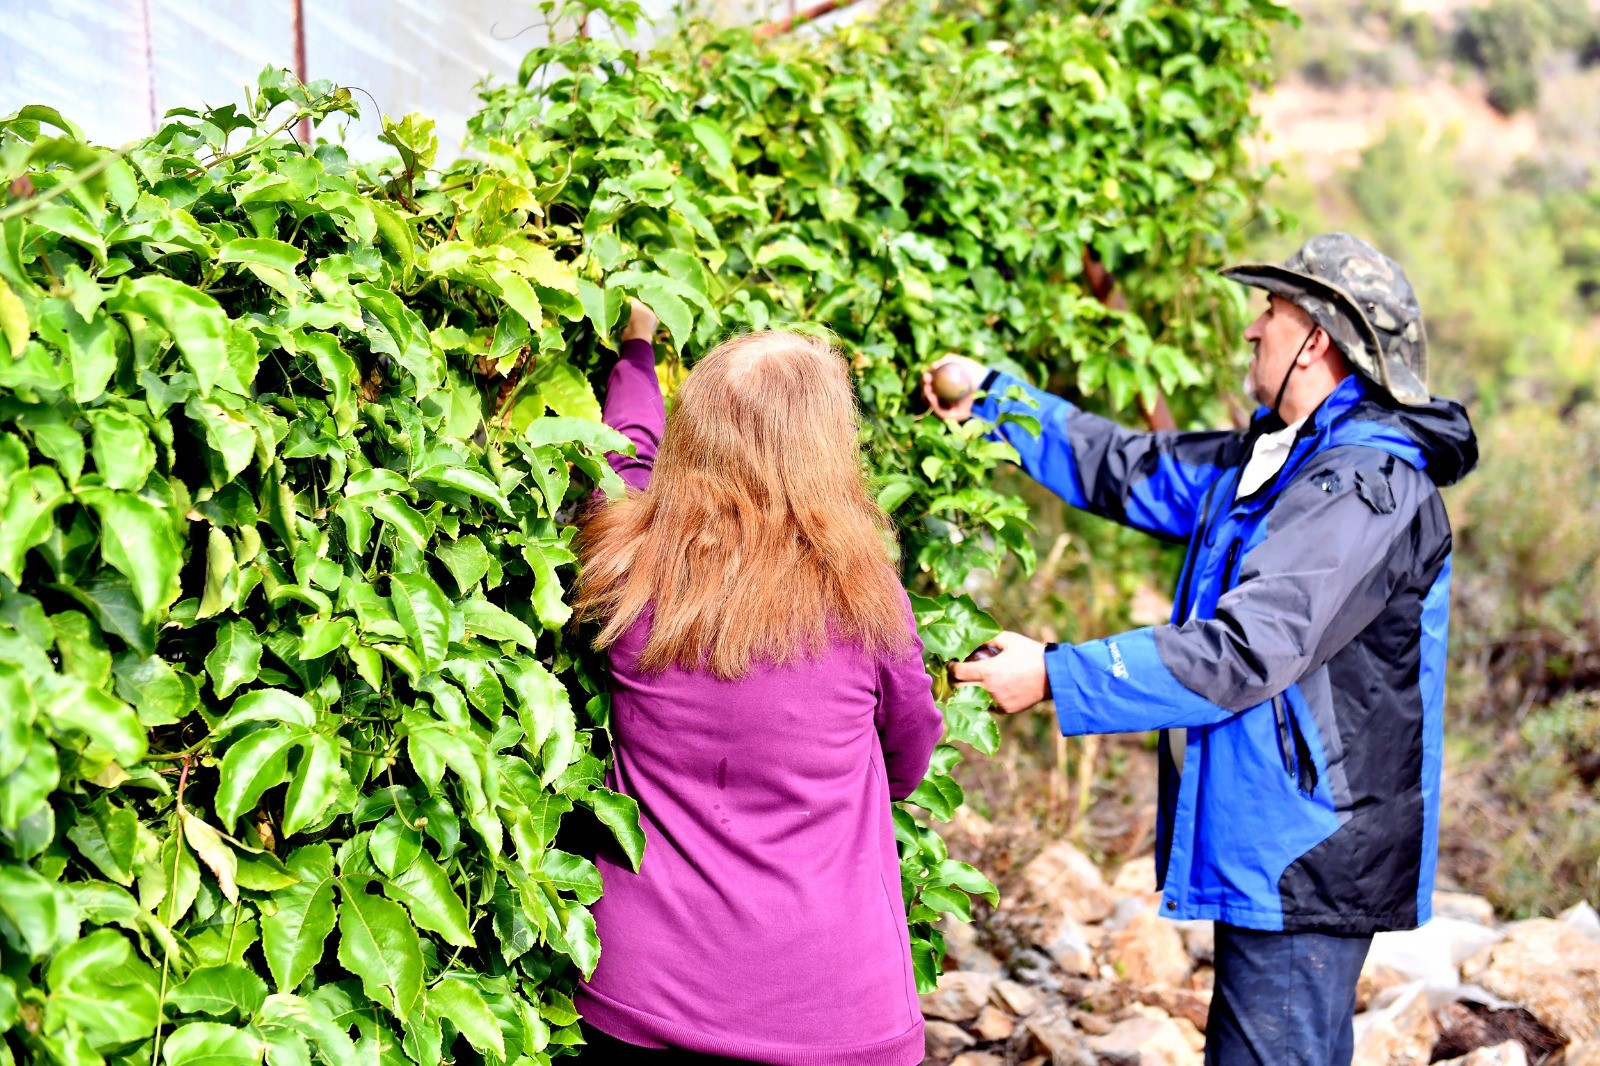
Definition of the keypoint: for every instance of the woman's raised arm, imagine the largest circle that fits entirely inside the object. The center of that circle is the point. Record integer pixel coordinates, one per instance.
(633, 404)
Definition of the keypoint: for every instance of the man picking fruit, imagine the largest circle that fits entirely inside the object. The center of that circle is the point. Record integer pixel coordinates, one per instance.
(1300, 685)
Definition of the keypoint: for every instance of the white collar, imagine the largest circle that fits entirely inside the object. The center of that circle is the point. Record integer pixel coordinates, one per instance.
(1267, 457)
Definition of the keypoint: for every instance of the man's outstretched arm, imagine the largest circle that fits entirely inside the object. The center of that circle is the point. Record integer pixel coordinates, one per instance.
(1328, 565)
(1154, 482)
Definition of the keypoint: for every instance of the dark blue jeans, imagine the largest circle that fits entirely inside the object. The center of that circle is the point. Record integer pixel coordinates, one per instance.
(1283, 999)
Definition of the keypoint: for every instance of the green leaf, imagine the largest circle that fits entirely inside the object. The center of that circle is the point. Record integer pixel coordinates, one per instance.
(93, 342)
(925, 964)
(34, 916)
(541, 699)
(954, 627)
(581, 940)
(571, 873)
(402, 517)
(158, 693)
(117, 609)
(790, 252)
(620, 814)
(292, 937)
(137, 539)
(236, 658)
(424, 613)
(539, 264)
(714, 141)
(378, 944)
(517, 293)
(25, 791)
(211, 1044)
(337, 367)
(222, 575)
(195, 320)
(252, 765)
(466, 559)
(103, 988)
(230, 435)
(465, 1008)
(967, 718)
(375, 479)
(313, 1022)
(62, 217)
(100, 716)
(261, 252)
(950, 900)
(220, 991)
(169, 884)
(425, 890)
(122, 450)
(486, 620)
(325, 635)
(599, 437)
(263, 872)
(668, 305)
(968, 879)
(267, 705)
(567, 393)
(107, 836)
(466, 480)
(315, 785)
(939, 795)
(393, 845)
(548, 601)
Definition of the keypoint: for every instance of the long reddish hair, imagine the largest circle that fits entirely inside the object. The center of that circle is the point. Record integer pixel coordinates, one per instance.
(757, 539)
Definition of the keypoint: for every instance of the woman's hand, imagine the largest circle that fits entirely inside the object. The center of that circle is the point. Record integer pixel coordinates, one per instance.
(641, 323)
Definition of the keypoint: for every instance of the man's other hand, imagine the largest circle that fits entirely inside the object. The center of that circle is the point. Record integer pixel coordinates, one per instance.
(641, 323)
(1015, 677)
(959, 378)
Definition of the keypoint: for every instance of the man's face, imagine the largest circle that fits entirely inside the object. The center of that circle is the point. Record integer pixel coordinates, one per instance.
(1277, 334)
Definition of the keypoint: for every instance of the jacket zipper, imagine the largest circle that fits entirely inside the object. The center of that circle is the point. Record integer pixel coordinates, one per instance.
(1293, 748)
(1227, 565)
(1286, 749)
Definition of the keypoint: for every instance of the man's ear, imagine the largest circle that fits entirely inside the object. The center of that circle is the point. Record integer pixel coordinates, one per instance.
(1317, 348)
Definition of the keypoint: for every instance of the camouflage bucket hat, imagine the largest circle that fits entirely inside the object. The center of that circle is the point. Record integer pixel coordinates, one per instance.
(1362, 299)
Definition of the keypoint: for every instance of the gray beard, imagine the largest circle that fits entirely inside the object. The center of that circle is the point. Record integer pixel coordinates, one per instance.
(1251, 390)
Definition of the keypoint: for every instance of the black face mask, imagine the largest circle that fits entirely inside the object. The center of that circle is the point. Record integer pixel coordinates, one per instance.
(1278, 399)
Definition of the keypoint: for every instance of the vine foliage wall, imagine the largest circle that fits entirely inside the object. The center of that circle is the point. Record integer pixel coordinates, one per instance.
(291, 721)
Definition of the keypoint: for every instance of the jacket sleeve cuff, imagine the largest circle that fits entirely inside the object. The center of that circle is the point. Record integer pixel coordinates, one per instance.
(1121, 685)
(990, 405)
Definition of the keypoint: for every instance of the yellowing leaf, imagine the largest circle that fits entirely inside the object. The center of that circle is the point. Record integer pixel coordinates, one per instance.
(13, 320)
(219, 858)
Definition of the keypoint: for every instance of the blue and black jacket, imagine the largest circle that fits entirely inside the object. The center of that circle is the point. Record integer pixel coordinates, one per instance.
(1305, 657)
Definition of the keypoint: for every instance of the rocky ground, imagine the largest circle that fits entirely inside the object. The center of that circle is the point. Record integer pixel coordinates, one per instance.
(1078, 969)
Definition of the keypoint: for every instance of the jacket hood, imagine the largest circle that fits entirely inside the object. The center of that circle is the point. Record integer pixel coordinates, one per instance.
(1436, 437)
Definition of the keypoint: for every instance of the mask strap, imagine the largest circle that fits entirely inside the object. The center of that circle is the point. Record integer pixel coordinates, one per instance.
(1292, 364)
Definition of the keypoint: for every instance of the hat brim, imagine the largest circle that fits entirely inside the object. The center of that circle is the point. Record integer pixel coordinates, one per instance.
(1393, 377)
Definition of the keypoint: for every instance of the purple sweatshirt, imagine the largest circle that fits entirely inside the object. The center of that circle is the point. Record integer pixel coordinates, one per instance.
(766, 922)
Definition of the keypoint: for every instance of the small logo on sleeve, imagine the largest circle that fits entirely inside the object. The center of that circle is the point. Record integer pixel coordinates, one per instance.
(1118, 667)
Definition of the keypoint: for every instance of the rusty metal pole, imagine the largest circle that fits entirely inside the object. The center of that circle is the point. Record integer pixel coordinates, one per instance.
(297, 30)
(148, 32)
(815, 11)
